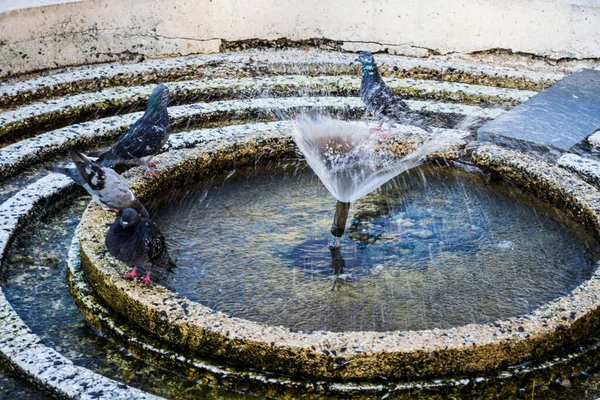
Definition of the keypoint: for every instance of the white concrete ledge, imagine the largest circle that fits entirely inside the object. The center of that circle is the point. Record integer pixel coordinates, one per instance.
(11, 5)
(39, 148)
(36, 114)
(282, 62)
(588, 169)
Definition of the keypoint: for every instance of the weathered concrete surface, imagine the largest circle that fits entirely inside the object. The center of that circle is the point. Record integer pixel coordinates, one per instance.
(22, 154)
(39, 116)
(90, 31)
(588, 169)
(271, 62)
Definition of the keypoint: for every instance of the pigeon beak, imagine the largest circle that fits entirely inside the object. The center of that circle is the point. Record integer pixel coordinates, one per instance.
(123, 223)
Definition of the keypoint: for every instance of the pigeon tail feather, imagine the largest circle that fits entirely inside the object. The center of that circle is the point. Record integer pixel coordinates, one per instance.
(70, 172)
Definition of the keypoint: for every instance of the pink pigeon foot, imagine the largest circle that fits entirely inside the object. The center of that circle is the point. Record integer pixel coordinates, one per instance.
(132, 274)
(147, 281)
(155, 174)
(151, 164)
(113, 209)
(378, 129)
(387, 135)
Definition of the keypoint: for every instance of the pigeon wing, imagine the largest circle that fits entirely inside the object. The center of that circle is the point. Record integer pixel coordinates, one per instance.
(154, 241)
(116, 193)
(140, 141)
(389, 104)
(91, 172)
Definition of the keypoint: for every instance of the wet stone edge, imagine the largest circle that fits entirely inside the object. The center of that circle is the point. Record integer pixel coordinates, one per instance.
(39, 117)
(15, 157)
(207, 372)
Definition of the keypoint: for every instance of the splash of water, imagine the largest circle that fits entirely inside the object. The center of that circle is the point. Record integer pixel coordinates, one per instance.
(349, 158)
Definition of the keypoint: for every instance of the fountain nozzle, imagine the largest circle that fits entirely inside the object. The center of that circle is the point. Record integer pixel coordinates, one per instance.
(339, 222)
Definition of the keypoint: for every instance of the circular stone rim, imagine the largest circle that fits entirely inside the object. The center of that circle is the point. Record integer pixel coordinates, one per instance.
(348, 355)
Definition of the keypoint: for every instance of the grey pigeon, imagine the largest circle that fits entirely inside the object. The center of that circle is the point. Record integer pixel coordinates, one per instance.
(145, 137)
(386, 104)
(137, 241)
(107, 188)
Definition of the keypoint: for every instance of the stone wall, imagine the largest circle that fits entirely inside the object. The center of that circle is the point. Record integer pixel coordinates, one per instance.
(44, 35)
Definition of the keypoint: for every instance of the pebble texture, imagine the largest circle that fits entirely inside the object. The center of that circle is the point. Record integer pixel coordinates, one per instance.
(17, 156)
(62, 109)
(587, 168)
(261, 62)
(594, 140)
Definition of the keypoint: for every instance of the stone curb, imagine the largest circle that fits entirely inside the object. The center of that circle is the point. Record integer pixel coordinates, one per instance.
(261, 62)
(66, 108)
(16, 156)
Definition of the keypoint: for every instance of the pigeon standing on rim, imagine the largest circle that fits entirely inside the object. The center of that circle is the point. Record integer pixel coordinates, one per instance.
(386, 104)
(145, 137)
(137, 241)
(107, 188)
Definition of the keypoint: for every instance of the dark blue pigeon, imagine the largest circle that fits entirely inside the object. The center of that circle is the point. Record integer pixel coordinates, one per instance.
(137, 241)
(380, 99)
(145, 137)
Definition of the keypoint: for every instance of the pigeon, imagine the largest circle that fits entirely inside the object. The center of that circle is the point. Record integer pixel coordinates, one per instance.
(386, 104)
(107, 188)
(137, 241)
(145, 137)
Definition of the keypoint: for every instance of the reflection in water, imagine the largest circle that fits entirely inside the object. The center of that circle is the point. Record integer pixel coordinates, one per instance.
(337, 261)
(338, 265)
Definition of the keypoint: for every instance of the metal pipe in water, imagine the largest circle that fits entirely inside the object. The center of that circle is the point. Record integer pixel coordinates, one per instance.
(339, 223)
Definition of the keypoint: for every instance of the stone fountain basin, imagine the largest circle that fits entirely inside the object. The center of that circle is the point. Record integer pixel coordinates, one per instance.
(341, 356)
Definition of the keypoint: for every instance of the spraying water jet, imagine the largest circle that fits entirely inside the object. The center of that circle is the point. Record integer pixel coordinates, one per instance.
(351, 161)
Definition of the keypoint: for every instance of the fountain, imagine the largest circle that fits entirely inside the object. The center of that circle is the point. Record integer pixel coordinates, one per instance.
(350, 161)
(467, 269)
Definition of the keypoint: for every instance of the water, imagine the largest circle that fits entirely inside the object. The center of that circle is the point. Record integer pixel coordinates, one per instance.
(348, 157)
(440, 249)
(14, 387)
(46, 305)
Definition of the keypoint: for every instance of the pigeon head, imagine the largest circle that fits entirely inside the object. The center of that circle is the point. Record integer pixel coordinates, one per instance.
(130, 217)
(368, 62)
(365, 57)
(159, 99)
